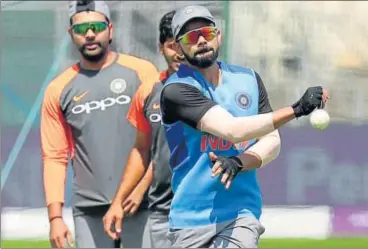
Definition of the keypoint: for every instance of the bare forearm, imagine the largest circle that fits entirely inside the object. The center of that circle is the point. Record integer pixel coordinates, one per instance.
(54, 178)
(55, 210)
(134, 172)
(217, 121)
(146, 181)
(250, 161)
(264, 151)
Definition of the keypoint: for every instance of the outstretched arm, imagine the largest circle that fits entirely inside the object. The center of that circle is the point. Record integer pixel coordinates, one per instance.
(182, 102)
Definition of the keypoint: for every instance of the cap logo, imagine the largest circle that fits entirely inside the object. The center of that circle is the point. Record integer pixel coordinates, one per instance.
(188, 11)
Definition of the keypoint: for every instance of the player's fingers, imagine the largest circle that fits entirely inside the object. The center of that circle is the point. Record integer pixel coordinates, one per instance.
(325, 94)
(228, 183)
(133, 210)
(107, 227)
(54, 243)
(69, 238)
(325, 97)
(224, 177)
(126, 202)
(128, 207)
(229, 180)
(118, 227)
(216, 169)
(61, 242)
(213, 157)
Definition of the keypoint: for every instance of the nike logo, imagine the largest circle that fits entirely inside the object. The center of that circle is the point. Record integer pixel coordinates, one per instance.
(77, 98)
(156, 106)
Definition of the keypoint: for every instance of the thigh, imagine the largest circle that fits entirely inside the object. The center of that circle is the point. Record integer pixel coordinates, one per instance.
(199, 237)
(89, 232)
(135, 232)
(158, 228)
(240, 233)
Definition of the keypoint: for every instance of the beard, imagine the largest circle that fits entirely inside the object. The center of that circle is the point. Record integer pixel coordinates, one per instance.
(93, 56)
(202, 61)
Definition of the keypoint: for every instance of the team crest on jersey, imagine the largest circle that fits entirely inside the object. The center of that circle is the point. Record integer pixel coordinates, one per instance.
(243, 100)
(118, 85)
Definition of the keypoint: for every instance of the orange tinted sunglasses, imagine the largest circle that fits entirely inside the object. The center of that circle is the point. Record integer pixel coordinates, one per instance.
(192, 36)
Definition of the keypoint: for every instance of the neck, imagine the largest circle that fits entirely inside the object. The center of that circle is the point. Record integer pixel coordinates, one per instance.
(108, 58)
(170, 71)
(211, 74)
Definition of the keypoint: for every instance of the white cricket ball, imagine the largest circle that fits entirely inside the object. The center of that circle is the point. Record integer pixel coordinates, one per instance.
(319, 119)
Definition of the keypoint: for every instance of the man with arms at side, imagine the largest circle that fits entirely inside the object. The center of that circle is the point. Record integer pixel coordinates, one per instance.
(83, 119)
(220, 128)
(144, 114)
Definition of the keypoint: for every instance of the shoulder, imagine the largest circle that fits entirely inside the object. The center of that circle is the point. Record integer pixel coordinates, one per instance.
(145, 90)
(183, 76)
(57, 85)
(134, 62)
(238, 69)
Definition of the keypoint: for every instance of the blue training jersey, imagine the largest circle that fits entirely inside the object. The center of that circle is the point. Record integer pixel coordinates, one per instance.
(199, 199)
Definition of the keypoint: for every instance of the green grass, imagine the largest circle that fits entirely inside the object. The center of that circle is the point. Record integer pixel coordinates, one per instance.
(265, 243)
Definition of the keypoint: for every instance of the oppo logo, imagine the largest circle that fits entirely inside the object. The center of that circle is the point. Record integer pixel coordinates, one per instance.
(101, 105)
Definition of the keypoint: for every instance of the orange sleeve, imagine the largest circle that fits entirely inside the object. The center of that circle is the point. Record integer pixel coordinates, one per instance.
(136, 110)
(56, 140)
(145, 70)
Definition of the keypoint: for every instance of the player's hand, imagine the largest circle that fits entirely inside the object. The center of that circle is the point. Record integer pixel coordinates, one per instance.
(112, 221)
(227, 166)
(60, 234)
(314, 97)
(131, 204)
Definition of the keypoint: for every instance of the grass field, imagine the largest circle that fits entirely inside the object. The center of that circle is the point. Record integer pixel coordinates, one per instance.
(265, 243)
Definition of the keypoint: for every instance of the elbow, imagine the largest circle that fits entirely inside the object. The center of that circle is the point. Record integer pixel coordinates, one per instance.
(235, 137)
(269, 148)
(232, 137)
(277, 150)
(277, 145)
(231, 134)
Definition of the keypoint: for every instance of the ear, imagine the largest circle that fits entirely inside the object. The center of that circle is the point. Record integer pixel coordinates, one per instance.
(70, 31)
(219, 37)
(111, 29)
(161, 48)
(177, 48)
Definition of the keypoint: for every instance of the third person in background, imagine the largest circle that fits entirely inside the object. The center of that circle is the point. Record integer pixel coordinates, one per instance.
(145, 116)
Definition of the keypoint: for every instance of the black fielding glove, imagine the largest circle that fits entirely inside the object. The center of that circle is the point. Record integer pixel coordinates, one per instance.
(311, 99)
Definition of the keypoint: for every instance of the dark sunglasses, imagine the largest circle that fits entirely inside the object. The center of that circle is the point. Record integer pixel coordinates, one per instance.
(192, 36)
(82, 28)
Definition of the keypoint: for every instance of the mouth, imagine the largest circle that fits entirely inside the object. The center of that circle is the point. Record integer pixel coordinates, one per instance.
(92, 46)
(204, 52)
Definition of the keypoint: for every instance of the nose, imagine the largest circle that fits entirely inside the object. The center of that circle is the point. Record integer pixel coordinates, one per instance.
(201, 40)
(90, 34)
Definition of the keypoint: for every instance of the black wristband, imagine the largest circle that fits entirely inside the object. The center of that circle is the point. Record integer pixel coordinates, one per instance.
(297, 109)
(237, 159)
(55, 217)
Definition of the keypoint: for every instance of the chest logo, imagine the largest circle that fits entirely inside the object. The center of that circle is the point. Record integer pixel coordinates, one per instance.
(243, 100)
(118, 85)
(76, 98)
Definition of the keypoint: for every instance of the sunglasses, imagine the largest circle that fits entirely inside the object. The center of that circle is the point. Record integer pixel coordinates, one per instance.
(192, 36)
(96, 27)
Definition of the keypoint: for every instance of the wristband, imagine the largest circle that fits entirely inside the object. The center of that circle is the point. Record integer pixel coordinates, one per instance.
(237, 159)
(55, 217)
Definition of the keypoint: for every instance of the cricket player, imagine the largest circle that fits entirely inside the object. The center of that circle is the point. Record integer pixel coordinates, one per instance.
(220, 128)
(83, 120)
(145, 116)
